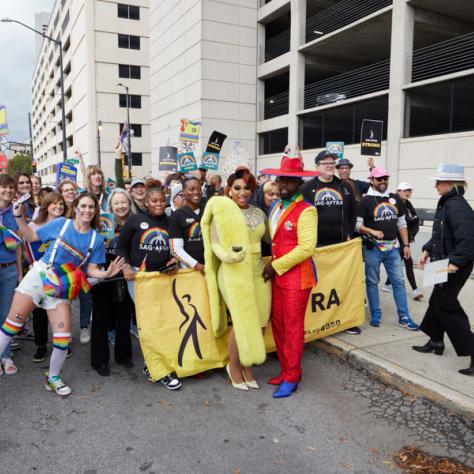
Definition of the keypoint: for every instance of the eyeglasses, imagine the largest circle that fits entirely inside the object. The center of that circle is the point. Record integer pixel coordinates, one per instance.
(327, 163)
(382, 178)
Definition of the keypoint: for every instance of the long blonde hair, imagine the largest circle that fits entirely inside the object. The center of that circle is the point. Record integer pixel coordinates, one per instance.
(94, 169)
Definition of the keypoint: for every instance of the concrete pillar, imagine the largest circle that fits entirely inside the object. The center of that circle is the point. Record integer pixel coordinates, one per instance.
(297, 68)
(403, 22)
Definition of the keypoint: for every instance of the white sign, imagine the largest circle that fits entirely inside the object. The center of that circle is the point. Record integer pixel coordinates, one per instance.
(435, 272)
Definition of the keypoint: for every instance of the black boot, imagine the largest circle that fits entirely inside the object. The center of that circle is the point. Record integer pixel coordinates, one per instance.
(469, 370)
(430, 346)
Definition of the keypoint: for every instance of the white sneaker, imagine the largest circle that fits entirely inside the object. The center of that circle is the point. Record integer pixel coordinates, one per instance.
(85, 336)
(418, 294)
(387, 288)
(9, 367)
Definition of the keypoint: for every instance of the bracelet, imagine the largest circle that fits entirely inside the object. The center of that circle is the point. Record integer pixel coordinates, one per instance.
(406, 245)
(18, 217)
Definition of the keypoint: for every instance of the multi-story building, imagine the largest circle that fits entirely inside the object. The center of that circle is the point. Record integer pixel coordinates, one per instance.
(104, 43)
(322, 66)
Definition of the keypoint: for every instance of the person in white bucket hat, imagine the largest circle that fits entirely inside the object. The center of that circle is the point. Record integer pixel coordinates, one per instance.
(452, 239)
(404, 191)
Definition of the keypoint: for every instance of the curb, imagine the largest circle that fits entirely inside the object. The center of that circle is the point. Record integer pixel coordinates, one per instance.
(399, 377)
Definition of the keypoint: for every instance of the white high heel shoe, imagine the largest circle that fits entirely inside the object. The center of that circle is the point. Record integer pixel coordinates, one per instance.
(252, 383)
(238, 386)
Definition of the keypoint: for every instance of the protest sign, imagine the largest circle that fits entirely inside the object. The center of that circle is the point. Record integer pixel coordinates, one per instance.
(3, 120)
(215, 143)
(107, 225)
(167, 158)
(371, 137)
(65, 170)
(210, 161)
(336, 147)
(186, 162)
(189, 131)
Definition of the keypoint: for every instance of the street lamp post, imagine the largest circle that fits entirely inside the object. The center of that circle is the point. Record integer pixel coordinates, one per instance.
(99, 129)
(129, 142)
(60, 46)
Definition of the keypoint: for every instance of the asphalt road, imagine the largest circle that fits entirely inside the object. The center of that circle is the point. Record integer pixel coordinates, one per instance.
(339, 421)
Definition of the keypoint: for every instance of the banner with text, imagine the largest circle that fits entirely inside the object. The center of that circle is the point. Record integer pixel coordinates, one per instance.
(371, 137)
(174, 319)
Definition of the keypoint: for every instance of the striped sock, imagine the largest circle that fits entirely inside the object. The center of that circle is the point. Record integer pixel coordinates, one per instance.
(11, 328)
(61, 340)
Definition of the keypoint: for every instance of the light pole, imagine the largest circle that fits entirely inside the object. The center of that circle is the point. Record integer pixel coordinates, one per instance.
(99, 129)
(129, 142)
(60, 45)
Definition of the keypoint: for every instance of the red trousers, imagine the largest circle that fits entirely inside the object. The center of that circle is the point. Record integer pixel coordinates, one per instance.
(288, 313)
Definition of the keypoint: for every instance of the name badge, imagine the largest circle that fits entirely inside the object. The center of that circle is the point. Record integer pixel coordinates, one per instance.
(288, 225)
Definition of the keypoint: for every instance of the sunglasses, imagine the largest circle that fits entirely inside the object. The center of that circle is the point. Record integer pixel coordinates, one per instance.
(382, 178)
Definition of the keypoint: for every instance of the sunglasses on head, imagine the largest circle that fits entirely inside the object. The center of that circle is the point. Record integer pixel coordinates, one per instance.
(382, 178)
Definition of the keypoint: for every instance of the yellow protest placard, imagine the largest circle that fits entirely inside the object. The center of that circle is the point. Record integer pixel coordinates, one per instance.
(174, 319)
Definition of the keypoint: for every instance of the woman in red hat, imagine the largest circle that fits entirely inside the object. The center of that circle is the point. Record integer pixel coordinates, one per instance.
(293, 227)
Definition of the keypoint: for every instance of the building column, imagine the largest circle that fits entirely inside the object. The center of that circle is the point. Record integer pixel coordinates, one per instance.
(403, 23)
(297, 69)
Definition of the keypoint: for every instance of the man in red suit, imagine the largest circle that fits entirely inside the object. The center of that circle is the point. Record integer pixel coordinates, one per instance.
(293, 226)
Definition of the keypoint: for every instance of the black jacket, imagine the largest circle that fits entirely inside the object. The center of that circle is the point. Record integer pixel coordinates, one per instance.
(413, 221)
(453, 230)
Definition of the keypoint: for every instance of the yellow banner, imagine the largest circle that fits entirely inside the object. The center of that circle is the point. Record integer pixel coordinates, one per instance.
(174, 319)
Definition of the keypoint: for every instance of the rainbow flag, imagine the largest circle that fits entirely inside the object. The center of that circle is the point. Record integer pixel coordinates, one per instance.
(142, 267)
(64, 281)
(10, 239)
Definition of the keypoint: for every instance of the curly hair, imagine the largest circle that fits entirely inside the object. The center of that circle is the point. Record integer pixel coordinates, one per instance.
(241, 173)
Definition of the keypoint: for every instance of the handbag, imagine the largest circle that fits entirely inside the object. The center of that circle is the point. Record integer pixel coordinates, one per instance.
(65, 281)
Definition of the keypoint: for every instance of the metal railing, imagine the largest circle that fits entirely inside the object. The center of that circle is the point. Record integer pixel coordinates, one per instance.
(278, 45)
(365, 80)
(449, 56)
(341, 14)
(276, 105)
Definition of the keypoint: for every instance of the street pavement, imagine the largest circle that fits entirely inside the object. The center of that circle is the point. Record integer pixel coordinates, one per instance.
(340, 420)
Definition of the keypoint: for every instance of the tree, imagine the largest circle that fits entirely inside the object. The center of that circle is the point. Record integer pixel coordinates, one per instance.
(20, 163)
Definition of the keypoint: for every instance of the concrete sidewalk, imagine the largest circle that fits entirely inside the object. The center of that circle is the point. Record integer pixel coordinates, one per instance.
(386, 353)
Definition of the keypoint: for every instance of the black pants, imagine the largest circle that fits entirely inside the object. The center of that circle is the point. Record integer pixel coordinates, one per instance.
(40, 326)
(445, 314)
(110, 309)
(409, 271)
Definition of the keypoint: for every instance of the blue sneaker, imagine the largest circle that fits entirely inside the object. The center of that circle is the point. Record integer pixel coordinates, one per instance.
(408, 323)
(285, 389)
(375, 322)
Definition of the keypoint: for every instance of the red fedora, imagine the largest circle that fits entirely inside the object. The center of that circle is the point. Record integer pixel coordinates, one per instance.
(290, 167)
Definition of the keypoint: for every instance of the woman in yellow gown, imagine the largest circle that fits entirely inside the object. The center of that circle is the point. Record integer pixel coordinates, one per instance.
(233, 230)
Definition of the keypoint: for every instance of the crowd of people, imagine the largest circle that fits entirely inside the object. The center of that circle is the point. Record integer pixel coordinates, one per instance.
(52, 252)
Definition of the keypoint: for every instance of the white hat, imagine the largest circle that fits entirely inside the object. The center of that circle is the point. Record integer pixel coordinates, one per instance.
(175, 190)
(449, 172)
(403, 186)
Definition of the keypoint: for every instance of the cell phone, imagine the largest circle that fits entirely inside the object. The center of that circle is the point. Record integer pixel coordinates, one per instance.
(168, 268)
(236, 248)
(23, 199)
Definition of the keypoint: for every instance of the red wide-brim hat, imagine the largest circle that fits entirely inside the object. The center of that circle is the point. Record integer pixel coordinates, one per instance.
(291, 168)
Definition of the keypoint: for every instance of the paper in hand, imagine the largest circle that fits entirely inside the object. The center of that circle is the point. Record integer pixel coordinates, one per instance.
(435, 272)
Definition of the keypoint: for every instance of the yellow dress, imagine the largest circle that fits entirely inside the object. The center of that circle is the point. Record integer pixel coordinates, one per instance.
(257, 226)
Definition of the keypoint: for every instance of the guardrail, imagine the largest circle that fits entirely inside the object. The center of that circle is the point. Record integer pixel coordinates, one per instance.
(278, 45)
(276, 105)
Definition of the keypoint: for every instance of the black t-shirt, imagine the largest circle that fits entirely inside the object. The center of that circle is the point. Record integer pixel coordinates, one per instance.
(147, 236)
(382, 213)
(335, 202)
(185, 224)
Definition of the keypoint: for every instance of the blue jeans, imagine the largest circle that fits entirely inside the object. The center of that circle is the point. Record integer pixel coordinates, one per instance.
(8, 283)
(85, 309)
(393, 265)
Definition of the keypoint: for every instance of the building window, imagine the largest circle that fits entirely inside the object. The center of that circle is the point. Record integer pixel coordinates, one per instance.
(130, 12)
(135, 101)
(137, 129)
(128, 41)
(444, 107)
(137, 159)
(273, 142)
(341, 123)
(65, 21)
(130, 72)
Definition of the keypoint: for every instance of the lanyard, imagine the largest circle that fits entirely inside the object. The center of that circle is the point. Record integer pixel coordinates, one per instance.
(60, 238)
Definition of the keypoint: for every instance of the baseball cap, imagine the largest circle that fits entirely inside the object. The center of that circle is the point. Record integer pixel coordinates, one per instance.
(344, 162)
(324, 154)
(137, 181)
(378, 172)
(403, 186)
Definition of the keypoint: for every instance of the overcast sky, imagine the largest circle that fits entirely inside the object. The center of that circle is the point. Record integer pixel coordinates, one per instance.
(17, 60)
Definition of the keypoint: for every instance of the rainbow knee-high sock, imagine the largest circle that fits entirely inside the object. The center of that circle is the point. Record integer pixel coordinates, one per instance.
(61, 340)
(11, 328)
